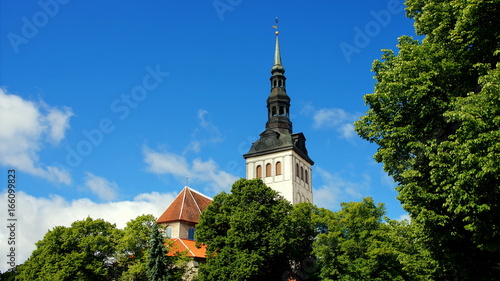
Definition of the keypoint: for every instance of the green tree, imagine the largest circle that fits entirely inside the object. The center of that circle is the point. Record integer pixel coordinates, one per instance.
(158, 265)
(84, 251)
(435, 118)
(133, 247)
(251, 234)
(356, 244)
(9, 275)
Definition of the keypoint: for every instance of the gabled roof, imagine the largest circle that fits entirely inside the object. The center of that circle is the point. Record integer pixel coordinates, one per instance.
(189, 246)
(187, 206)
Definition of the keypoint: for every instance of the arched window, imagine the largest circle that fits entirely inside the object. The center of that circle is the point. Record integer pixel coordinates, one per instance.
(306, 175)
(302, 173)
(268, 170)
(297, 170)
(259, 171)
(282, 110)
(273, 111)
(278, 168)
(191, 233)
(168, 232)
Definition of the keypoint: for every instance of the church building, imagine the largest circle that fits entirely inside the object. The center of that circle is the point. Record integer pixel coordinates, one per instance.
(279, 157)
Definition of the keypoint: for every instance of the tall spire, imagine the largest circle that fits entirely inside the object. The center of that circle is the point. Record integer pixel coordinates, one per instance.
(278, 135)
(277, 54)
(278, 102)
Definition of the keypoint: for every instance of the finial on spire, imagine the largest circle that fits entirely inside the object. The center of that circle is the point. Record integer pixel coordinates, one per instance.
(276, 26)
(277, 53)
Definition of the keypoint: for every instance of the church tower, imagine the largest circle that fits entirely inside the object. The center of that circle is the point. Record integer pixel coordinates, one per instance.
(280, 157)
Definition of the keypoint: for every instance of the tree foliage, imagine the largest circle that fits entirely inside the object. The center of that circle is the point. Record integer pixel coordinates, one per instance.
(84, 251)
(435, 116)
(251, 234)
(133, 246)
(158, 265)
(358, 243)
(96, 250)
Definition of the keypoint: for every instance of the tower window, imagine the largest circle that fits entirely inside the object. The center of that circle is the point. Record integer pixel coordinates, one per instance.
(306, 176)
(282, 110)
(297, 170)
(168, 232)
(268, 170)
(191, 233)
(280, 83)
(273, 111)
(278, 168)
(259, 171)
(302, 173)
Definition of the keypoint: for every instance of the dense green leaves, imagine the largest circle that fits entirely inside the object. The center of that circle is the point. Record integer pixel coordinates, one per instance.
(251, 234)
(359, 244)
(84, 251)
(158, 265)
(435, 116)
(132, 248)
(97, 250)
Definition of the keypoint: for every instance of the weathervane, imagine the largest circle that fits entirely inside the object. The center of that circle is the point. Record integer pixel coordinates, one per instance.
(276, 26)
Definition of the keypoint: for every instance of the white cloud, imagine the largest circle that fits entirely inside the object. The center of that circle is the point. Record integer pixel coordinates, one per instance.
(332, 118)
(206, 133)
(101, 187)
(58, 123)
(26, 126)
(165, 163)
(36, 215)
(337, 189)
(199, 171)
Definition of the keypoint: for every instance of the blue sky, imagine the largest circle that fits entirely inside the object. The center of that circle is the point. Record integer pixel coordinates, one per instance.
(106, 107)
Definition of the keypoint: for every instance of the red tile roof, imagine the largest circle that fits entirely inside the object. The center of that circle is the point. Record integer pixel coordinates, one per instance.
(181, 245)
(187, 206)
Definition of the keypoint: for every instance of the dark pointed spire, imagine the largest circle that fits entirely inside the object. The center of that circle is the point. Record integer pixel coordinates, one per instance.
(278, 134)
(278, 102)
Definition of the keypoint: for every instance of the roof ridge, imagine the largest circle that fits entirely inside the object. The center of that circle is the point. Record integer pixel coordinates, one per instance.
(189, 249)
(195, 201)
(183, 200)
(196, 191)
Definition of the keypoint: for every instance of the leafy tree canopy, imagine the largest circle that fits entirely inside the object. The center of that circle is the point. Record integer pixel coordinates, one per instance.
(96, 250)
(253, 234)
(359, 243)
(84, 251)
(435, 116)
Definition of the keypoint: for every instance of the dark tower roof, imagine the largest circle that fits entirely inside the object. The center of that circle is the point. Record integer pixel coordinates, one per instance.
(278, 135)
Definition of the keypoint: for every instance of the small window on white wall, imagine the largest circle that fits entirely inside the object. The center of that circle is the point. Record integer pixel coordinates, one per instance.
(268, 170)
(191, 233)
(168, 232)
(278, 168)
